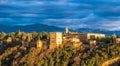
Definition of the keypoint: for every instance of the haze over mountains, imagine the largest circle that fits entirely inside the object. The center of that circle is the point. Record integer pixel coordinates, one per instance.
(48, 28)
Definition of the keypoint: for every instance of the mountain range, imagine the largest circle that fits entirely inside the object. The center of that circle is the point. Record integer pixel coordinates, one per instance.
(48, 28)
(29, 28)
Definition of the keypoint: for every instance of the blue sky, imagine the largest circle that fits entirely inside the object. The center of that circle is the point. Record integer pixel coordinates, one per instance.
(96, 14)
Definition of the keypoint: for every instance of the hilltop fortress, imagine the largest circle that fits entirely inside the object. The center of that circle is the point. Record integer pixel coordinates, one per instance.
(76, 39)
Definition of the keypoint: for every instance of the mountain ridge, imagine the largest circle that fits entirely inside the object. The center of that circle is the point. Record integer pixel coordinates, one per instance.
(49, 28)
(30, 28)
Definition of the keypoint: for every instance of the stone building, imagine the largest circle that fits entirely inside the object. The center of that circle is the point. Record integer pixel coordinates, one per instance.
(55, 39)
(39, 44)
(92, 42)
(90, 36)
(9, 40)
(68, 34)
(117, 40)
(74, 39)
(44, 44)
(76, 42)
(84, 37)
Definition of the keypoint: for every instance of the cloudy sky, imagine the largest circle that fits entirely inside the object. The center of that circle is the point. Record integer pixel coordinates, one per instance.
(96, 14)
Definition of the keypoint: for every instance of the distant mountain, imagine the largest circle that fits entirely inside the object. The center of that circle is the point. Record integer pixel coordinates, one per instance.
(30, 28)
(48, 28)
(98, 31)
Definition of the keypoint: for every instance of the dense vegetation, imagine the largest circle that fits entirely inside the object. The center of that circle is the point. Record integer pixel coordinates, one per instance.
(14, 54)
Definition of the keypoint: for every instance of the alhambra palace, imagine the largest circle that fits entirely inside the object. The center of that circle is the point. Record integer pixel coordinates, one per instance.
(76, 39)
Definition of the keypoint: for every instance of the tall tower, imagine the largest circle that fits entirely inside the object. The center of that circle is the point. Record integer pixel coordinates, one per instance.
(55, 39)
(66, 31)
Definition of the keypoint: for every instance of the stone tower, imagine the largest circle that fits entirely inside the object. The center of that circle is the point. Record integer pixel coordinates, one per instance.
(55, 39)
(66, 31)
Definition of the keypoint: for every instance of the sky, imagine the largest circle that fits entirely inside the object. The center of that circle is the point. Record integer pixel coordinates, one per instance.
(95, 14)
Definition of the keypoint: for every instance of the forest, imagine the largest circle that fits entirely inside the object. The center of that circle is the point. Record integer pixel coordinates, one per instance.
(15, 53)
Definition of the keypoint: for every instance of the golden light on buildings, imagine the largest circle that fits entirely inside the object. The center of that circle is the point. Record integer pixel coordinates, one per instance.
(55, 39)
(9, 39)
(39, 44)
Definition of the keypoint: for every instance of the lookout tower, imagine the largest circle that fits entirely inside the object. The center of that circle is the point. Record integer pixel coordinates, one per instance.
(66, 31)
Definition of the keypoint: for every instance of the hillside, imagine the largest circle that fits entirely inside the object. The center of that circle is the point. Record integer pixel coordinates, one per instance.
(18, 49)
(112, 62)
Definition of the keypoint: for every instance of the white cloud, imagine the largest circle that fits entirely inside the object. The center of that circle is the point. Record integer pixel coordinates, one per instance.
(24, 24)
(71, 23)
(28, 15)
(110, 25)
(6, 19)
(42, 3)
(78, 26)
(64, 21)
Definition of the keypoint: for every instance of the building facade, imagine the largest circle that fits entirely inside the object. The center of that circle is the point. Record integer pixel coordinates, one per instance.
(39, 44)
(117, 40)
(76, 42)
(55, 39)
(92, 42)
(92, 36)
